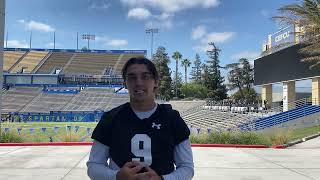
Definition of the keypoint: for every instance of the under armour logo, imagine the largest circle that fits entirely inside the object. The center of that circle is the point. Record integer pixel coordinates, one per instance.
(156, 125)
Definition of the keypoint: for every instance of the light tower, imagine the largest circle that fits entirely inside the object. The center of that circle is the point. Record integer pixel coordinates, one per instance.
(152, 31)
(88, 37)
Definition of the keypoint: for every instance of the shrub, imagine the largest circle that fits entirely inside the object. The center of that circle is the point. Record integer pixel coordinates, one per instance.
(10, 137)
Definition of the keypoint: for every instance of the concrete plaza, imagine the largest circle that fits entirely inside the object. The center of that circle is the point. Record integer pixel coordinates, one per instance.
(300, 162)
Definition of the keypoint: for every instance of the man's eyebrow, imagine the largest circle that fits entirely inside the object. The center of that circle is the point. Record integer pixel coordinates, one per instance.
(132, 74)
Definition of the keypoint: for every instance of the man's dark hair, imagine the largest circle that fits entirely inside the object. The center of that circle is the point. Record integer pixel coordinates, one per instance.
(141, 60)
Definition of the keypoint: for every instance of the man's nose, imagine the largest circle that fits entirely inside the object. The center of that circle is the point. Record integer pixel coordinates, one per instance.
(139, 81)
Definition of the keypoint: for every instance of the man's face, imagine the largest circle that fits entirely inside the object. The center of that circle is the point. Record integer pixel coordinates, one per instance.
(140, 83)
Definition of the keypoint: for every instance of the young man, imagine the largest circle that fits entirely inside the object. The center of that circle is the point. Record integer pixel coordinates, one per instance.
(142, 140)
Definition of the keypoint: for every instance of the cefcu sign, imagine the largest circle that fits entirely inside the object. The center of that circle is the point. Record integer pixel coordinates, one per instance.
(283, 36)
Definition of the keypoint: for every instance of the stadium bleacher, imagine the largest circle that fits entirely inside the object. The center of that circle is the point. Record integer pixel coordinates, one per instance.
(94, 64)
(29, 62)
(81, 67)
(56, 60)
(10, 58)
(14, 99)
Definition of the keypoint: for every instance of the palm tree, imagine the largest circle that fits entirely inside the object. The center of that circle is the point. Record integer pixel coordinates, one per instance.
(177, 56)
(306, 15)
(185, 63)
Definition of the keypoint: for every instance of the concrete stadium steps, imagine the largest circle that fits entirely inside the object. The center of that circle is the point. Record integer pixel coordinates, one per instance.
(116, 100)
(45, 102)
(216, 119)
(56, 60)
(121, 61)
(30, 61)
(10, 58)
(17, 98)
(93, 64)
(183, 106)
(90, 99)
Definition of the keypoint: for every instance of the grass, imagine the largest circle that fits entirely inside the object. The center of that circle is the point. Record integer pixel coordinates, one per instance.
(304, 132)
(65, 134)
(10, 137)
(230, 138)
(50, 134)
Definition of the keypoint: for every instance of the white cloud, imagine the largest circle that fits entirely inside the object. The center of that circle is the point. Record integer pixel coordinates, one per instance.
(17, 44)
(139, 13)
(198, 32)
(51, 45)
(172, 5)
(107, 41)
(250, 55)
(165, 24)
(217, 37)
(163, 16)
(99, 5)
(201, 48)
(265, 13)
(117, 42)
(34, 25)
(21, 21)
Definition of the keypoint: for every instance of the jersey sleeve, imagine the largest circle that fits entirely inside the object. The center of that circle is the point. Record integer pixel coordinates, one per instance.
(102, 132)
(181, 130)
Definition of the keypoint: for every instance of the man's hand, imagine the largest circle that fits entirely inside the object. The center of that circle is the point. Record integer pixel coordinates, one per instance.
(129, 171)
(152, 174)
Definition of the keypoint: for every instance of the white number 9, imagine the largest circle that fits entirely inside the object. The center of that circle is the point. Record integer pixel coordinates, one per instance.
(141, 148)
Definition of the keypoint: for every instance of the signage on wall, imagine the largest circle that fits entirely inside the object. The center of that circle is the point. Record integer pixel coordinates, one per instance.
(284, 36)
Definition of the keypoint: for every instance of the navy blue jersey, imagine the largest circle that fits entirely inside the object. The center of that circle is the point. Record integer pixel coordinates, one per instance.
(150, 141)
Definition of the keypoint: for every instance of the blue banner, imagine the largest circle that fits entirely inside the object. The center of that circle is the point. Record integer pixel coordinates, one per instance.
(59, 116)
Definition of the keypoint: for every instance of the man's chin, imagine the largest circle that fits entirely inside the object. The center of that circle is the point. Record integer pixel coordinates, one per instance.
(139, 99)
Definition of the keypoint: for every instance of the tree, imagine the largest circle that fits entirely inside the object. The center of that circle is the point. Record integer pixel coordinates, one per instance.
(247, 73)
(306, 15)
(240, 76)
(161, 61)
(216, 89)
(177, 56)
(178, 84)
(186, 63)
(235, 78)
(194, 90)
(250, 96)
(196, 70)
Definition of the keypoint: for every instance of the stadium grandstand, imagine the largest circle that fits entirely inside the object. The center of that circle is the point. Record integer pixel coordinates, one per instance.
(78, 85)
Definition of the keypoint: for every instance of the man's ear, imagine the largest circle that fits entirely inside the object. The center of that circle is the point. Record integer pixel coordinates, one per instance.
(156, 85)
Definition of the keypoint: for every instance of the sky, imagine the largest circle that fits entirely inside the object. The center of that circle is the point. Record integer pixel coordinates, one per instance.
(238, 27)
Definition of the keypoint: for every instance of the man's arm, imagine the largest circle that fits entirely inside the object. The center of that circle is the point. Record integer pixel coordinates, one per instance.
(184, 162)
(97, 163)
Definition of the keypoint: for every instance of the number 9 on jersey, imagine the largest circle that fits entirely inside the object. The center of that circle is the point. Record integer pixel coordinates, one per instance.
(141, 148)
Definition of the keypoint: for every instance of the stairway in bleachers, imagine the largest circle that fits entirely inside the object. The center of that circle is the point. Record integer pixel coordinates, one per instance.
(56, 60)
(29, 62)
(91, 64)
(11, 58)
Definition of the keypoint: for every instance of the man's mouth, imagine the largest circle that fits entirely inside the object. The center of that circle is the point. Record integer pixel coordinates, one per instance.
(139, 91)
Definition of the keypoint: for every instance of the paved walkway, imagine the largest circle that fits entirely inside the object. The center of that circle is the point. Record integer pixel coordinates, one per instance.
(68, 162)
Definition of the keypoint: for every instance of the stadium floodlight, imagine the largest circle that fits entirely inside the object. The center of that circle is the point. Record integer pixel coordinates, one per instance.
(88, 37)
(152, 31)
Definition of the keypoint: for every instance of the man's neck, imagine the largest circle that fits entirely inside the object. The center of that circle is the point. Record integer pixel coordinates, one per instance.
(142, 106)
